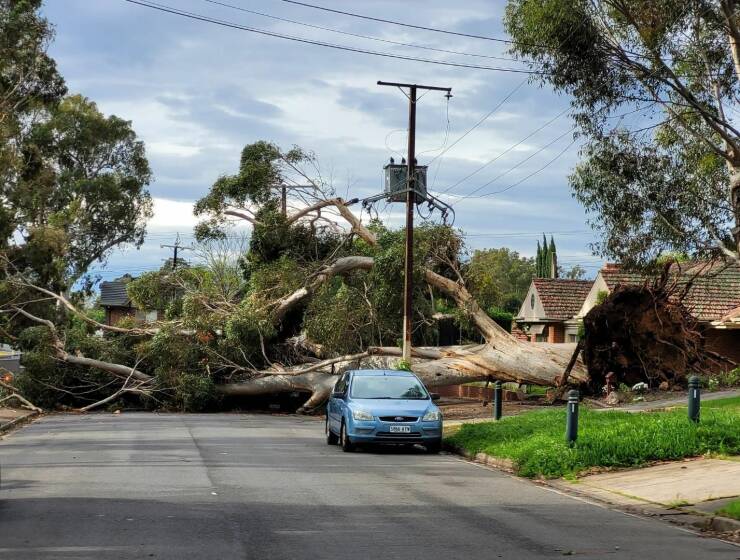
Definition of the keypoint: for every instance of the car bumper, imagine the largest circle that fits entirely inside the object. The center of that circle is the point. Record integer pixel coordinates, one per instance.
(379, 432)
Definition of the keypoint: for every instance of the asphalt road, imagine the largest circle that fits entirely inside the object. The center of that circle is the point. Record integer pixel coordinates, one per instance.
(264, 487)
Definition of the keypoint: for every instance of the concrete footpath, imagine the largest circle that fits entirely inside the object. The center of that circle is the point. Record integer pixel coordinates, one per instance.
(689, 491)
(679, 400)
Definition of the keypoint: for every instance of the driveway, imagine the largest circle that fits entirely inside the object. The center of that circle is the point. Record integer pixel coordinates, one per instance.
(228, 486)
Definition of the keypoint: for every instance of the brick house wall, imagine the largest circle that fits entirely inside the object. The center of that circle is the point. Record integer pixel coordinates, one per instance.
(556, 333)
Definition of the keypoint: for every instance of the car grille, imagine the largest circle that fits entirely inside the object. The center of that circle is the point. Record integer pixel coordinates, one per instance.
(388, 435)
(396, 418)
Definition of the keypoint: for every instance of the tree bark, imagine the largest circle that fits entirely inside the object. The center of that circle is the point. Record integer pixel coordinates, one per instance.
(521, 362)
(735, 201)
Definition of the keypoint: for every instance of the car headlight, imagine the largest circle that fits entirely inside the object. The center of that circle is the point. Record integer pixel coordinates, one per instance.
(431, 415)
(359, 414)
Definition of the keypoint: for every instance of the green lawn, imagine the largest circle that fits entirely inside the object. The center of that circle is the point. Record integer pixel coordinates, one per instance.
(535, 441)
(732, 403)
(731, 510)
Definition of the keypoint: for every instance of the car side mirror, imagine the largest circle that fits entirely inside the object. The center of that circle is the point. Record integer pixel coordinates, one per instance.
(434, 396)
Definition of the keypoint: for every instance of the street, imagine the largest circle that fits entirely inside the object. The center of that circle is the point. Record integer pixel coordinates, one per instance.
(227, 486)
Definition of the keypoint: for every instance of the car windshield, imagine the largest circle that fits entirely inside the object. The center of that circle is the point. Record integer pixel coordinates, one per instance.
(387, 387)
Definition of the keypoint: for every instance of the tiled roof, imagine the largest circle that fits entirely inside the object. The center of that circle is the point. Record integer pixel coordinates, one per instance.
(113, 294)
(715, 291)
(562, 298)
(615, 276)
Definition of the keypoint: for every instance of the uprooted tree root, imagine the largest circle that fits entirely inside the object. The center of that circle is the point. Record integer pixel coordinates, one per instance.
(645, 334)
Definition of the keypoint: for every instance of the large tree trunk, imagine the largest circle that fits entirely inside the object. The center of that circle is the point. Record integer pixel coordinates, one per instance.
(735, 200)
(522, 362)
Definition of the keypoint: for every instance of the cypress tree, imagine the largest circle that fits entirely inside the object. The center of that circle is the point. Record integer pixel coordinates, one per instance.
(538, 264)
(553, 266)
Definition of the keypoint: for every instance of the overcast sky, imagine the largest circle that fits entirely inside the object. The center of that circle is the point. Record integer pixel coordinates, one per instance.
(197, 93)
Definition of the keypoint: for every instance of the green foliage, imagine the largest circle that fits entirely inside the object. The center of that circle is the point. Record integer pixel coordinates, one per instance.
(503, 318)
(81, 191)
(601, 296)
(721, 379)
(403, 365)
(262, 166)
(499, 278)
(634, 59)
(194, 392)
(153, 290)
(536, 441)
(363, 309)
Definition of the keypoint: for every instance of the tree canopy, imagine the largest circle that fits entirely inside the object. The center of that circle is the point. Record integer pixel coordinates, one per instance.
(72, 181)
(653, 87)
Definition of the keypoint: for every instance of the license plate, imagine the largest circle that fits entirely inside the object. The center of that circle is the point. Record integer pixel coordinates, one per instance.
(400, 429)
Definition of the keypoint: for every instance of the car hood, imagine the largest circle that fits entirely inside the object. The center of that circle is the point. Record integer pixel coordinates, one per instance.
(393, 407)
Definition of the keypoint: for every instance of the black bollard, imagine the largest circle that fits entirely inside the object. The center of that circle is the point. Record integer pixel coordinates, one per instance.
(571, 425)
(694, 399)
(497, 404)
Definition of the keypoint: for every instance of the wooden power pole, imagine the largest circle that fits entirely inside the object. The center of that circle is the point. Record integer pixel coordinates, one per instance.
(175, 249)
(408, 278)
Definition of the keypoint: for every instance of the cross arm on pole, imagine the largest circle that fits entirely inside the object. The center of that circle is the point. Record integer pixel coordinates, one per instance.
(417, 86)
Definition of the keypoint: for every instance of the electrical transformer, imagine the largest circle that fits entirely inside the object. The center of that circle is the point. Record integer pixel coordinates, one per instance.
(396, 183)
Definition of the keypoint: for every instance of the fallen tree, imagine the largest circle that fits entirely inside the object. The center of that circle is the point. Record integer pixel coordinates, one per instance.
(305, 302)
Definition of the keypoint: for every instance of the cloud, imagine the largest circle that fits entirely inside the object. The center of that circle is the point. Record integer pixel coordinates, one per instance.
(197, 93)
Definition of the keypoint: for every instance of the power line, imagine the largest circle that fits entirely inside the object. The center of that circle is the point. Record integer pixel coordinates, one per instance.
(522, 162)
(528, 233)
(480, 121)
(558, 156)
(359, 35)
(232, 25)
(506, 151)
(414, 26)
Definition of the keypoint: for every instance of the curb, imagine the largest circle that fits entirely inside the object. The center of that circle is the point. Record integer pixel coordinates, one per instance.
(484, 459)
(722, 524)
(17, 422)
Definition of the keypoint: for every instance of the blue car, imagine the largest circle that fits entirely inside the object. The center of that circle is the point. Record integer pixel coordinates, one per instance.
(382, 406)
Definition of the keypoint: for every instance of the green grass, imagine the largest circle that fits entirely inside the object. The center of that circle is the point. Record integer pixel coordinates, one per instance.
(731, 403)
(535, 441)
(730, 510)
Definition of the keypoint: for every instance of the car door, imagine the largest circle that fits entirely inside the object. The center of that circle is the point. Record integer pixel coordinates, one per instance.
(336, 403)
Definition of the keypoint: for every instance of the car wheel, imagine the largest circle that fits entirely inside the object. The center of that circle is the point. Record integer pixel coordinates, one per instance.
(331, 437)
(344, 440)
(434, 447)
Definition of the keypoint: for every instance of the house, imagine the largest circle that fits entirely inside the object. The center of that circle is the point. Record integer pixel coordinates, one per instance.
(548, 311)
(713, 299)
(117, 305)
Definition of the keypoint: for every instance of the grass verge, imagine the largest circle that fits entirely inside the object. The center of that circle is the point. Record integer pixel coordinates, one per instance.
(535, 441)
(730, 510)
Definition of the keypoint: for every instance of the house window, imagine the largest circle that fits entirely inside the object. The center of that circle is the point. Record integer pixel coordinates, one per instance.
(531, 301)
(572, 338)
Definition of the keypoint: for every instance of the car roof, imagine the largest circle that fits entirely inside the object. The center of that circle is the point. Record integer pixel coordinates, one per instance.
(388, 372)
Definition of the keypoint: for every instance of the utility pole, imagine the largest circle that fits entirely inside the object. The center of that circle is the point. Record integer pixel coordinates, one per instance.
(175, 248)
(408, 279)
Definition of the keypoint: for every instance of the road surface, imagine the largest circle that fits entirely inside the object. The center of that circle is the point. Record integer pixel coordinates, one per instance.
(228, 486)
